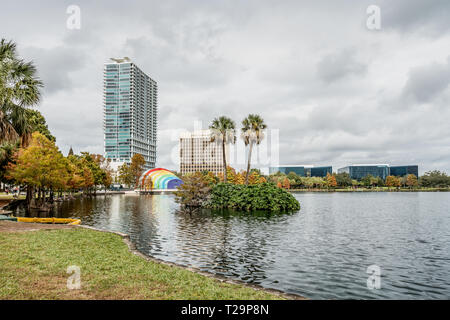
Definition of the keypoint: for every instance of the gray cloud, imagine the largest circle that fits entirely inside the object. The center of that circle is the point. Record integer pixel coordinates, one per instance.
(425, 83)
(55, 65)
(340, 65)
(337, 92)
(416, 16)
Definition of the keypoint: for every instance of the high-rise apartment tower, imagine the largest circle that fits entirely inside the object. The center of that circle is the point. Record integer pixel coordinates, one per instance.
(130, 113)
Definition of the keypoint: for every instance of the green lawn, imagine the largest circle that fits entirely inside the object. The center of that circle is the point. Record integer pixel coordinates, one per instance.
(4, 196)
(33, 266)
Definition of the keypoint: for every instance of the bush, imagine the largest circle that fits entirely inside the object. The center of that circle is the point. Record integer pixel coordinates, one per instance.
(264, 196)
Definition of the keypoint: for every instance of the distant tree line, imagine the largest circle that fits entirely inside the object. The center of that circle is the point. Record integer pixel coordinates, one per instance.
(431, 179)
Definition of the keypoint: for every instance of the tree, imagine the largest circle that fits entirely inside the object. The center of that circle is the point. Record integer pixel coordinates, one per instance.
(331, 180)
(76, 173)
(343, 179)
(380, 182)
(7, 151)
(91, 162)
(41, 167)
(239, 178)
(434, 179)
(255, 177)
(252, 132)
(231, 175)
(107, 172)
(70, 152)
(125, 174)
(36, 122)
(19, 89)
(194, 192)
(367, 180)
(286, 184)
(210, 177)
(411, 180)
(392, 181)
(137, 167)
(223, 131)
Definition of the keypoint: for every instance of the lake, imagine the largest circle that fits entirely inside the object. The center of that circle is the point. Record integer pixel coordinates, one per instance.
(320, 252)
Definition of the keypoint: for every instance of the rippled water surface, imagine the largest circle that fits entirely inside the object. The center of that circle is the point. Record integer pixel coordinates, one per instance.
(321, 252)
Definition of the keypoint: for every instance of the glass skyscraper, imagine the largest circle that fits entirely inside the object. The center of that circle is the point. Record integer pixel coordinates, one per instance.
(130, 113)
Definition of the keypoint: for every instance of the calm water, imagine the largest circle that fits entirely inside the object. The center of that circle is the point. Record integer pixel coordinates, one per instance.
(320, 252)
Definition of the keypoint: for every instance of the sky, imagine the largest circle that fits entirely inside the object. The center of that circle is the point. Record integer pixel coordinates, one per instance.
(333, 91)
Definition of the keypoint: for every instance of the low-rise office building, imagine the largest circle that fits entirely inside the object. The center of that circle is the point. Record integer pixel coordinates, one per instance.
(401, 171)
(359, 171)
(303, 170)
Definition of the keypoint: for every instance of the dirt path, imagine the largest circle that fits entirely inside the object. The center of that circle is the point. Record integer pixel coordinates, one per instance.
(13, 226)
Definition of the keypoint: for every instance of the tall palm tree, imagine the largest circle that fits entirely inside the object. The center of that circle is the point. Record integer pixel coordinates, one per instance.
(19, 89)
(252, 132)
(223, 131)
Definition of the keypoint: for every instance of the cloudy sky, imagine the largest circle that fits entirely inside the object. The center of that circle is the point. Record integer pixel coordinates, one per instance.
(338, 92)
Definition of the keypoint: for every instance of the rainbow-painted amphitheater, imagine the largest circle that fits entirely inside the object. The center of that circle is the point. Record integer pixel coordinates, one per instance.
(160, 179)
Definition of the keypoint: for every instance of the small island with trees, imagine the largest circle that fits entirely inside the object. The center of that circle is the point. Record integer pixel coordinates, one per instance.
(244, 191)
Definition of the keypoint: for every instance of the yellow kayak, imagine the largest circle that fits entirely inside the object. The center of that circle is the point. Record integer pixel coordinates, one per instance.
(50, 220)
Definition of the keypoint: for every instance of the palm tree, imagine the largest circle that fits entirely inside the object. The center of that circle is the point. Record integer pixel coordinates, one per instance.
(252, 131)
(19, 89)
(223, 131)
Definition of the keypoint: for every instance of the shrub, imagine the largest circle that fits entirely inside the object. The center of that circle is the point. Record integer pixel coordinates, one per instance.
(264, 196)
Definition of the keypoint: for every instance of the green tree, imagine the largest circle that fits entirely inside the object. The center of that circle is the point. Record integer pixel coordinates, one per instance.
(367, 180)
(125, 175)
(380, 182)
(252, 132)
(7, 151)
(343, 179)
(19, 89)
(106, 171)
(434, 178)
(36, 122)
(223, 131)
(90, 162)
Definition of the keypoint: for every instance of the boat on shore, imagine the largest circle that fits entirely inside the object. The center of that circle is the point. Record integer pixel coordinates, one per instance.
(42, 220)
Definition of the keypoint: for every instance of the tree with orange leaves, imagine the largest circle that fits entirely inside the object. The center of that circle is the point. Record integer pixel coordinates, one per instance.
(331, 180)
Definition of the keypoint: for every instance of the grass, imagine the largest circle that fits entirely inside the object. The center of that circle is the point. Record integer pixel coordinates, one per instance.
(33, 266)
(4, 196)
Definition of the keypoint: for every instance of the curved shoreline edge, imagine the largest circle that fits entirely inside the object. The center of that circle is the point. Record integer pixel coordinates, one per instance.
(132, 248)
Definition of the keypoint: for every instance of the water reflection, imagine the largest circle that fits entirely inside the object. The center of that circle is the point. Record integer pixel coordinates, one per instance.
(323, 251)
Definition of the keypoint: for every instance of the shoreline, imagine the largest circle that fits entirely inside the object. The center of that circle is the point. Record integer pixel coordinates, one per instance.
(132, 248)
(176, 277)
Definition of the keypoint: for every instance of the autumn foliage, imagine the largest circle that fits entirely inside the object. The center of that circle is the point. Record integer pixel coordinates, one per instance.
(43, 169)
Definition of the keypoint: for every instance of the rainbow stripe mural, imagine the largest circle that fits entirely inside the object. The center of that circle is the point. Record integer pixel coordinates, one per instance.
(160, 179)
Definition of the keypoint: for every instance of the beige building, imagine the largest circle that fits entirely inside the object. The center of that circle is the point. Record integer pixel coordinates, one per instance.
(198, 153)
